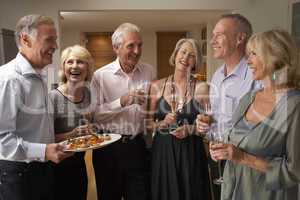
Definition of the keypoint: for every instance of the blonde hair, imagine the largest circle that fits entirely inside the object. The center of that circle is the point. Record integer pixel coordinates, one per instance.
(29, 24)
(278, 53)
(196, 48)
(79, 52)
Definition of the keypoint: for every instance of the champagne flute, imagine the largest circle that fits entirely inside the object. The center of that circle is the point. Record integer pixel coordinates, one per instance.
(143, 88)
(217, 136)
(86, 118)
(174, 106)
(207, 114)
(207, 118)
(139, 87)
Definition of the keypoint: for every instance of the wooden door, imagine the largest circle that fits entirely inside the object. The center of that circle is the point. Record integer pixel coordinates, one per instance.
(99, 45)
(166, 42)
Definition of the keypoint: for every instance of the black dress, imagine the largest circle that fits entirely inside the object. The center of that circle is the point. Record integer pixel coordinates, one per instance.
(70, 175)
(179, 166)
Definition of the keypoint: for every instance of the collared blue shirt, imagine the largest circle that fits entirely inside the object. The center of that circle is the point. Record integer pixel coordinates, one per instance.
(226, 91)
(25, 125)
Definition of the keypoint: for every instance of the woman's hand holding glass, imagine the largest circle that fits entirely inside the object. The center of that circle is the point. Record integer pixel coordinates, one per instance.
(225, 151)
(165, 125)
(170, 123)
(181, 132)
(169, 120)
(216, 137)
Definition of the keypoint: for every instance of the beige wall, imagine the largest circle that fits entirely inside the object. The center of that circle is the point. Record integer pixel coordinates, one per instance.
(71, 37)
(264, 14)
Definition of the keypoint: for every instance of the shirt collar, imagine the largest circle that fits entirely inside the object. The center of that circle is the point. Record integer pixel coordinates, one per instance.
(240, 70)
(24, 67)
(118, 70)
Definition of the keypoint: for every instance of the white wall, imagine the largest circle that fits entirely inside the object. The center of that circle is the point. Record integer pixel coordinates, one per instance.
(149, 48)
(70, 37)
(264, 14)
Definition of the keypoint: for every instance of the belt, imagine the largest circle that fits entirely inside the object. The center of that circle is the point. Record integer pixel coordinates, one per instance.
(22, 167)
(21, 171)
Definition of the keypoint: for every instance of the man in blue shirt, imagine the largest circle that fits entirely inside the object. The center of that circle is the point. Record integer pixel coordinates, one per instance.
(233, 78)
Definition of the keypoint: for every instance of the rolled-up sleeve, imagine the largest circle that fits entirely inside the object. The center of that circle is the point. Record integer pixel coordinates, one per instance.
(284, 172)
(12, 145)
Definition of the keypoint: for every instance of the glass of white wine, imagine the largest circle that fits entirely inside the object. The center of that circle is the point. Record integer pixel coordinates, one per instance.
(217, 136)
(174, 105)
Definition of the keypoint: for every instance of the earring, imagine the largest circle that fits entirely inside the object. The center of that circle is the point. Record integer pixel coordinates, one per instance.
(274, 76)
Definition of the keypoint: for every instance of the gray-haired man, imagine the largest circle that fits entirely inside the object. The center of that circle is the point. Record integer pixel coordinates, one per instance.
(120, 169)
(26, 129)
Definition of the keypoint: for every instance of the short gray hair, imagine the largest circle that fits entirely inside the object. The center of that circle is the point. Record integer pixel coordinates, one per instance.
(243, 24)
(196, 48)
(118, 35)
(28, 24)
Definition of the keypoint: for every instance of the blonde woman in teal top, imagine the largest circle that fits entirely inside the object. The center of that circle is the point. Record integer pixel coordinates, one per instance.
(262, 150)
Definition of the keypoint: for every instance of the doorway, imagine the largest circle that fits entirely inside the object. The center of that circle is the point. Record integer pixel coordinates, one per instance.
(166, 42)
(100, 46)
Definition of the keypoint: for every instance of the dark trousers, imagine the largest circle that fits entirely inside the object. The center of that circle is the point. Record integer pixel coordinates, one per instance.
(70, 178)
(25, 181)
(121, 170)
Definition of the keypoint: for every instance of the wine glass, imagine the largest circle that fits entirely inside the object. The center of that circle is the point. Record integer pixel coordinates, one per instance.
(86, 118)
(143, 86)
(174, 106)
(208, 113)
(205, 117)
(140, 88)
(217, 136)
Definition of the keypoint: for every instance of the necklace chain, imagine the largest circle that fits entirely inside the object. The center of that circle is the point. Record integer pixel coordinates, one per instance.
(175, 101)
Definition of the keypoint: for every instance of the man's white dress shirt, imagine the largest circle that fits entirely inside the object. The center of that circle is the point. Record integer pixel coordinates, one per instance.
(108, 84)
(25, 124)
